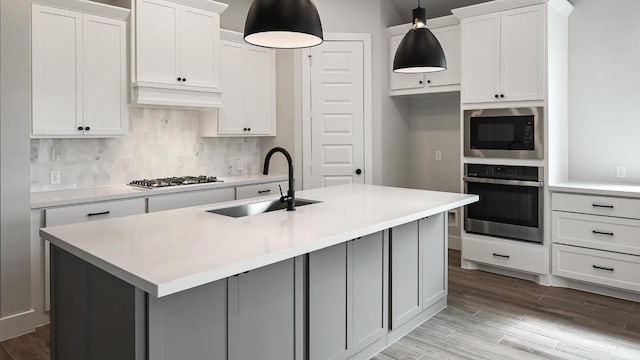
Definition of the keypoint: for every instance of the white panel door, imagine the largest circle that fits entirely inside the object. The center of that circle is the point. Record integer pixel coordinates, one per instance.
(337, 120)
(260, 90)
(523, 53)
(104, 76)
(449, 38)
(56, 61)
(199, 43)
(481, 58)
(231, 116)
(402, 81)
(156, 41)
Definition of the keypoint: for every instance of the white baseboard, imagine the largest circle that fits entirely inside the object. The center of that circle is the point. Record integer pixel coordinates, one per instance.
(455, 242)
(20, 324)
(595, 289)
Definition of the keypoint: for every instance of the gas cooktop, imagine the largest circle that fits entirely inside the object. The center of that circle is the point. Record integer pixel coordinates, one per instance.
(174, 181)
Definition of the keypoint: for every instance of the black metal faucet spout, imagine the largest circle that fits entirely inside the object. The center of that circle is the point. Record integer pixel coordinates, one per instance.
(291, 193)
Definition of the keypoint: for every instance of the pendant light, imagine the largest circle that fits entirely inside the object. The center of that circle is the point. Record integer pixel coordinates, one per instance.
(283, 24)
(419, 51)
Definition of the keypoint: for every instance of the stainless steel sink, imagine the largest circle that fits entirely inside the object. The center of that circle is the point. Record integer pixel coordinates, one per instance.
(258, 208)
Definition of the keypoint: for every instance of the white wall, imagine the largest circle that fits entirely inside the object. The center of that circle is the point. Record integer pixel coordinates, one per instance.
(604, 90)
(435, 126)
(15, 101)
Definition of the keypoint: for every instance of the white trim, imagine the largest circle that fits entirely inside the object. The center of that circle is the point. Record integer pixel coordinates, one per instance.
(563, 6)
(88, 7)
(365, 38)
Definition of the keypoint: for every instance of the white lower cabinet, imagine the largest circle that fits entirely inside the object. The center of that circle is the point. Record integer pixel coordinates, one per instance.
(595, 266)
(347, 297)
(595, 240)
(508, 254)
(191, 198)
(254, 191)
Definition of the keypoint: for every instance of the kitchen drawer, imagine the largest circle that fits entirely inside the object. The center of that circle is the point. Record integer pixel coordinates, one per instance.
(597, 232)
(506, 253)
(190, 198)
(596, 205)
(252, 191)
(595, 266)
(98, 211)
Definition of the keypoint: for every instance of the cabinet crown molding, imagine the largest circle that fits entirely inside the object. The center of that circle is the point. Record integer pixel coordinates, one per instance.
(207, 5)
(88, 7)
(563, 6)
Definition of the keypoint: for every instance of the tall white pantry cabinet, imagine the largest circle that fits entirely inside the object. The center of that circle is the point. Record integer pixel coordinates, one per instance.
(79, 71)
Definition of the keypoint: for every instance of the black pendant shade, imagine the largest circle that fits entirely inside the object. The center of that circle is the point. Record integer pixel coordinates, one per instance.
(283, 24)
(419, 51)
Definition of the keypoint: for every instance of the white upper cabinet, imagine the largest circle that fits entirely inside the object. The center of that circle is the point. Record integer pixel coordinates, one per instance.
(503, 56)
(249, 92)
(447, 31)
(177, 53)
(79, 72)
(157, 41)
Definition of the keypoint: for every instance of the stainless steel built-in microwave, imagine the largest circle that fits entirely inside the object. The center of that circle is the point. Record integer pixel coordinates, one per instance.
(515, 133)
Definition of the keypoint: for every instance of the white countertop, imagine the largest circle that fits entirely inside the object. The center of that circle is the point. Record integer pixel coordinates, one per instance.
(167, 252)
(591, 188)
(47, 199)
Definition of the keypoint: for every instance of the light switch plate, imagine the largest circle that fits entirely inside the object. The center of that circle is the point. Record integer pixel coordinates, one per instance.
(621, 171)
(438, 155)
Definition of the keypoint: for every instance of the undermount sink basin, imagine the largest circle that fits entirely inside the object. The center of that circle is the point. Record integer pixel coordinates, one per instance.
(258, 208)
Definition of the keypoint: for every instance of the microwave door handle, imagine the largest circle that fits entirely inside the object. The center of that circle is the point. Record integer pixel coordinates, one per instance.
(538, 184)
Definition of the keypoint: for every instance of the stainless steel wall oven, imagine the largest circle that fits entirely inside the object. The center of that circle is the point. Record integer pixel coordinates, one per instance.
(511, 201)
(515, 133)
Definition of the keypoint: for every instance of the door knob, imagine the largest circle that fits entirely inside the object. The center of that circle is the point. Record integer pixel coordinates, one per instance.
(358, 171)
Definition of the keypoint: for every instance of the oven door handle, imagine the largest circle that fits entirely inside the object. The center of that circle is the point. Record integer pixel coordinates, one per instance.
(538, 184)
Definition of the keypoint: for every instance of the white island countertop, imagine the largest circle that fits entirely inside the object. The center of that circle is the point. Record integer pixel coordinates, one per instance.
(167, 252)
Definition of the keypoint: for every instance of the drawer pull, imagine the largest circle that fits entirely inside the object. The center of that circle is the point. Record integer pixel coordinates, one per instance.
(602, 206)
(264, 191)
(99, 214)
(501, 256)
(596, 232)
(603, 268)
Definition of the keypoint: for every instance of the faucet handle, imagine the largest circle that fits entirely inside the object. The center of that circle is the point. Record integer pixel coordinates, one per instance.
(281, 194)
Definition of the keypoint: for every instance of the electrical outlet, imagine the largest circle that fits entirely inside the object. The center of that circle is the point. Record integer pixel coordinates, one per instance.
(621, 171)
(54, 177)
(240, 164)
(438, 155)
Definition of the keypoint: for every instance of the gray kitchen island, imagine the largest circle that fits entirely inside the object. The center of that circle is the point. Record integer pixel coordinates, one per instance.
(340, 278)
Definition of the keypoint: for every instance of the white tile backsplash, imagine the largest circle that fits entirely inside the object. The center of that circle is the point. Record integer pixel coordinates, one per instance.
(160, 143)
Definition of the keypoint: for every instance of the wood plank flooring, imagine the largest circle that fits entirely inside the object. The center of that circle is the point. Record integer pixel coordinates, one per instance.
(489, 317)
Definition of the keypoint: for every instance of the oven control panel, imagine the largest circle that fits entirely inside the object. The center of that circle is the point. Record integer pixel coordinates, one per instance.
(526, 173)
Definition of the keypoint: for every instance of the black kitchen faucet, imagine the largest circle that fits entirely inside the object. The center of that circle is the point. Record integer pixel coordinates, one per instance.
(291, 194)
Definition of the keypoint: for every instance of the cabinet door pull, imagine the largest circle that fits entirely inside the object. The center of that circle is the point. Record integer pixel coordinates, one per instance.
(99, 213)
(501, 256)
(80, 128)
(596, 232)
(264, 191)
(602, 206)
(603, 268)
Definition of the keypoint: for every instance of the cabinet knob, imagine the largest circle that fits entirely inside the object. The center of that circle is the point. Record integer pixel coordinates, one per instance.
(184, 79)
(502, 96)
(87, 128)
(497, 96)
(428, 81)
(245, 129)
(421, 82)
(179, 79)
(80, 128)
(249, 129)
